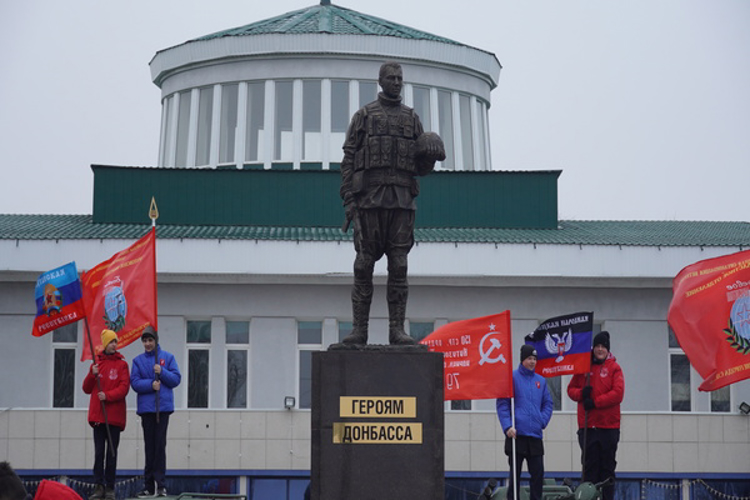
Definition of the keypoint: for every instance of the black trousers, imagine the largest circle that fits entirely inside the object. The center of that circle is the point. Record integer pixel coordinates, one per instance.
(532, 451)
(601, 449)
(155, 447)
(105, 474)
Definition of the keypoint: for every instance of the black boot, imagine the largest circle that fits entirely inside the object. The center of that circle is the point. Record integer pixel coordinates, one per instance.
(361, 313)
(396, 317)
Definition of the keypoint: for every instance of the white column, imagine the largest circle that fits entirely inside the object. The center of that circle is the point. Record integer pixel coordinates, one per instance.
(269, 112)
(163, 132)
(487, 141)
(476, 140)
(240, 133)
(435, 115)
(325, 124)
(213, 155)
(172, 139)
(192, 144)
(458, 155)
(297, 123)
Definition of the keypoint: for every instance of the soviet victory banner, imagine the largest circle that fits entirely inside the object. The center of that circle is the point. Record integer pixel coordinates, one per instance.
(477, 357)
(710, 315)
(120, 293)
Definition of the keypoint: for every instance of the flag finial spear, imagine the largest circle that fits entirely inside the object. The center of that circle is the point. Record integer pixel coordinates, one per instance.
(153, 212)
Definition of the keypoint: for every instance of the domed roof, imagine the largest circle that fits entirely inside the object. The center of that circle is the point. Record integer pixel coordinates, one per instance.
(324, 30)
(331, 19)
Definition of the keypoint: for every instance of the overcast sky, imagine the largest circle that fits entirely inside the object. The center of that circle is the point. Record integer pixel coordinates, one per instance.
(644, 105)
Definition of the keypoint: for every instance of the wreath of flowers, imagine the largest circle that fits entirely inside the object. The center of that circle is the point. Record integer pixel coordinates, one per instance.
(738, 343)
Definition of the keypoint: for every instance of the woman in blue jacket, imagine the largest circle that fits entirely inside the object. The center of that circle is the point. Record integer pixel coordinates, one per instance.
(533, 411)
(154, 375)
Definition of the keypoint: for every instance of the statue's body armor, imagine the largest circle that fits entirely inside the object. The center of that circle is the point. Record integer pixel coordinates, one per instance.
(389, 143)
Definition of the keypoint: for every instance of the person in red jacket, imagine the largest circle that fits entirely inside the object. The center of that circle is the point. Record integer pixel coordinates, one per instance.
(599, 394)
(108, 382)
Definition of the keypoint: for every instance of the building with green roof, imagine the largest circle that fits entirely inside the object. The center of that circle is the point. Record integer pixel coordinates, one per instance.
(254, 272)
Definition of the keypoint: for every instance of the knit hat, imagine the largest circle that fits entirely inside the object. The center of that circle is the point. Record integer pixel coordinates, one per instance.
(602, 338)
(526, 351)
(10, 484)
(150, 332)
(107, 337)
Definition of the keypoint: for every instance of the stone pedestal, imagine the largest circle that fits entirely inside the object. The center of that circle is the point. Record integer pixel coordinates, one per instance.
(377, 424)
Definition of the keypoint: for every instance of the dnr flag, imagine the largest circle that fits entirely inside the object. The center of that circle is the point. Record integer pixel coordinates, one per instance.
(120, 294)
(563, 344)
(477, 360)
(710, 316)
(58, 299)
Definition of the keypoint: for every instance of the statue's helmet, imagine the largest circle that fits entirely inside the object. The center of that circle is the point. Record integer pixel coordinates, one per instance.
(430, 147)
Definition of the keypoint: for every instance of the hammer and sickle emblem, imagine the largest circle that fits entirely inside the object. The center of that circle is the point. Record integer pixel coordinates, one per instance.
(485, 354)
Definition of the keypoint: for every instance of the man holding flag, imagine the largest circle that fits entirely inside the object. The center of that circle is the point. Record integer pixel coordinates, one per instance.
(533, 411)
(599, 394)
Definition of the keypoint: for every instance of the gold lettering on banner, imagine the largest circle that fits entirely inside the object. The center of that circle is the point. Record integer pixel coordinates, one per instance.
(400, 407)
(377, 433)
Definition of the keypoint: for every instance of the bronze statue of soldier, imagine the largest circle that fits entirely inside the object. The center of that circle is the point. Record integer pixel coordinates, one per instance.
(385, 150)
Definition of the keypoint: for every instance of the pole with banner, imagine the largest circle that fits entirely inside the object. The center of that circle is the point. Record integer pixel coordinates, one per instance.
(563, 344)
(153, 214)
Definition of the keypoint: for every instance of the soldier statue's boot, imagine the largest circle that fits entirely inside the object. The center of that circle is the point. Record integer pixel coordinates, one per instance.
(396, 316)
(360, 320)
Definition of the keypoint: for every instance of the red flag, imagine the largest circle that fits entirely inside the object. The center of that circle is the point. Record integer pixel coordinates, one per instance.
(477, 359)
(120, 293)
(58, 299)
(710, 315)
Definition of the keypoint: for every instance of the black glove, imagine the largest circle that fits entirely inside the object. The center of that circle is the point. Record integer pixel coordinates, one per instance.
(586, 393)
(588, 403)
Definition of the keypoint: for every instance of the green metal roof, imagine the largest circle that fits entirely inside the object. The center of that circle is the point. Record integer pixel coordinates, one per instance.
(328, 19)
(625, 233)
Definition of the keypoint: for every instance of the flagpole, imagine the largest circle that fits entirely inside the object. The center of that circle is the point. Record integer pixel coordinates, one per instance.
(585, 431)
(514, 465)
(99, 386)
(153, 213)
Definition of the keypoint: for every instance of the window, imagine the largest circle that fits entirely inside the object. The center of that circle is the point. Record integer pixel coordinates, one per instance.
(283, 134)
(679, 376)
(309, 340)
(311, 120)
(183, 128)
(64, 342)
(198, 343)
(237, 342)
(422, 106)
(445, 114)
(205, 107)
(419, 330)
(720, 400)
(554, 385)
(256, 98)
(339, 117)
(467, 136)
(345, 328)
(228, 123)
(368, 92)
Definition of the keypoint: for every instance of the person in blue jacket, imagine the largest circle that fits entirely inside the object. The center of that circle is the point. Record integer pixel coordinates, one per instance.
(533, 411)
(154, 375)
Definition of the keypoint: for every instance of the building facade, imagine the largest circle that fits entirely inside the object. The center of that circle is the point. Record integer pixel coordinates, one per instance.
(254, 273)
